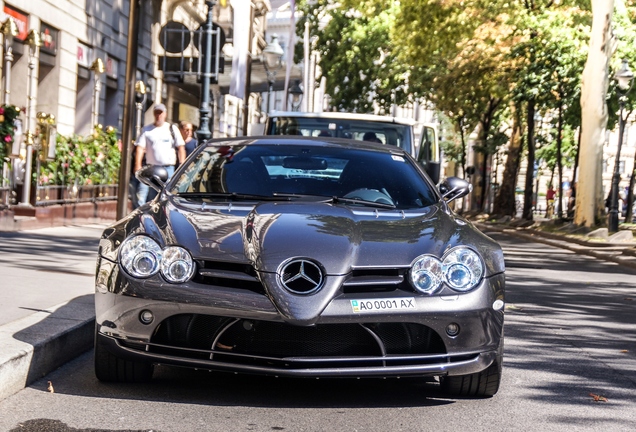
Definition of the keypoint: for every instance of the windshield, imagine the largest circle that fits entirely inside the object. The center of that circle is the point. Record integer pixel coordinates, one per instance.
(298, 172)
(362, 130)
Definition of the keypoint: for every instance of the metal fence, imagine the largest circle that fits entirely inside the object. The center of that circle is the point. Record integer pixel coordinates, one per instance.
(69, 194)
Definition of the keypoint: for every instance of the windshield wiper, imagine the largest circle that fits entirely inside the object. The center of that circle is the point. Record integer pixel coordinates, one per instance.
(362, 202)
(233, 196)
(337, 200)
(315, 198)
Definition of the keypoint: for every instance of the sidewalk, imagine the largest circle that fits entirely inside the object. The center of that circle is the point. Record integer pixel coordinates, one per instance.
(47, 283)
(46, 300)
(623, 253)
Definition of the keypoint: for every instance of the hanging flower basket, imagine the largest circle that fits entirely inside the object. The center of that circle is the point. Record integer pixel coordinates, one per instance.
(8, 114)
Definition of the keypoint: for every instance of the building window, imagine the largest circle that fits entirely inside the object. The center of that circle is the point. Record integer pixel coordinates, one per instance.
(605, 166)
(116, 15)
(621, 167)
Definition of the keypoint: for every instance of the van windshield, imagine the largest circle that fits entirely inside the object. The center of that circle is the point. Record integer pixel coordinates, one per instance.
(395, 134)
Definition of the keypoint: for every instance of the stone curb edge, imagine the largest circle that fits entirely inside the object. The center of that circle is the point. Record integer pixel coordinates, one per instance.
(22, 363)
(563, 244)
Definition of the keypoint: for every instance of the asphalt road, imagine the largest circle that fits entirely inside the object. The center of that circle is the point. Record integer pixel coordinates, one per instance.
(570, 339)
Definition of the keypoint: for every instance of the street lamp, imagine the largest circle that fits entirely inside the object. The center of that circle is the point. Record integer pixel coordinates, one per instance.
(98, 69)
(34, 42)
(206, 112)
(295, 95)
(9, 29)
(624, 80)
(272, 60)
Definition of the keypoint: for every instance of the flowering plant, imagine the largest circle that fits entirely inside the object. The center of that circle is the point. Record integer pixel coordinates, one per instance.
(8, 114)
(90, 160)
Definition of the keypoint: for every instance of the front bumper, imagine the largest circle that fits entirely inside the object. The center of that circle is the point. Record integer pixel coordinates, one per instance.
(121, 332)
(431, 365)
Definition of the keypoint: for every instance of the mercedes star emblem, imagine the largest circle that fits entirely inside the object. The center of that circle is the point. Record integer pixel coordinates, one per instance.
(301, 276)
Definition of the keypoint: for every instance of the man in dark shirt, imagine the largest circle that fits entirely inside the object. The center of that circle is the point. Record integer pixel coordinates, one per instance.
(187, 132)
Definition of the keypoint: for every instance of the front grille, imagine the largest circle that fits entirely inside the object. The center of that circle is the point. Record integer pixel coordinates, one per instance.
(369, 280)
(262, 338)
(191, 331)
(265, 343)
(229, 275)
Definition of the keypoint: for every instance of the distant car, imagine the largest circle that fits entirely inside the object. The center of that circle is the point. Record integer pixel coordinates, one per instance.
(399, 132)
(301, 257)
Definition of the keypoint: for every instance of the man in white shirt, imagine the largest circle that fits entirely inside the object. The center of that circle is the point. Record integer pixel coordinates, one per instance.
(162, 144)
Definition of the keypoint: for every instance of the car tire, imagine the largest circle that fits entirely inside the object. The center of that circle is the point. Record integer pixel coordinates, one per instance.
(110, 368)
(480, 384)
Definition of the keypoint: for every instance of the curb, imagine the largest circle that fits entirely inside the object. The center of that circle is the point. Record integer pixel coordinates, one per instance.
(617, 254)
(37, 344)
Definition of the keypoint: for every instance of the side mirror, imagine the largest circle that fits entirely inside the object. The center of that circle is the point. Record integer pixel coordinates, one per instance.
(453, 188)
(154, 176)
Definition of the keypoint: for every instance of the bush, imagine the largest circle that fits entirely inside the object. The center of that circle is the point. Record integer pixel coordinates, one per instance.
(89, 160)
(8, 114)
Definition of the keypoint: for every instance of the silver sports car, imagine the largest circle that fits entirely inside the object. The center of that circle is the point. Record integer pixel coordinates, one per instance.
(301, 257)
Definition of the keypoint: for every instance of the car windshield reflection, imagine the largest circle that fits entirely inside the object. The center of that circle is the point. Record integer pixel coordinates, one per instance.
(343, 176)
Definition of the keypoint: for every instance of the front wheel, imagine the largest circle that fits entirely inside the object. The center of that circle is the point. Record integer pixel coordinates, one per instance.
(110, 368)
(480, 384)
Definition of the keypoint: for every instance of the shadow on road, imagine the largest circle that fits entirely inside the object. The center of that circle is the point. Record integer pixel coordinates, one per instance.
(44, 250)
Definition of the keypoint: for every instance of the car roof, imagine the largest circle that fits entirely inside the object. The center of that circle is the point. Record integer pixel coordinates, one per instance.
(313, 141)
(344, 116)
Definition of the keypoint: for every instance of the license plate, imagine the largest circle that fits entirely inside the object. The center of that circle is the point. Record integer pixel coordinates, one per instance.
(382, 305)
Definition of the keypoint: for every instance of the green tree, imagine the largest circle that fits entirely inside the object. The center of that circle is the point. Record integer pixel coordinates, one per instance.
(625, 31)
(550, 55)
(355, 54)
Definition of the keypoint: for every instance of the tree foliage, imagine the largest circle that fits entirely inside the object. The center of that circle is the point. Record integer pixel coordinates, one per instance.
(474, 60)
(355, 55)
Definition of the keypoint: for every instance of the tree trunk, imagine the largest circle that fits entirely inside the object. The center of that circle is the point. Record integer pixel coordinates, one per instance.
(630, 195)
(504, 204)
(460, 125)
(559, 158)
(576, 158)
(528, 190)
(594, 86)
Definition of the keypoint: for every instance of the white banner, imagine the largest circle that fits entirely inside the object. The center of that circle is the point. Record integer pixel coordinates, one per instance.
(241, 41)
(290, 50)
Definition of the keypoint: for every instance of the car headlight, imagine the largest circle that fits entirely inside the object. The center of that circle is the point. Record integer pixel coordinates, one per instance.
(426, 274)
(140, 256)
(176, 265)
(461, 269)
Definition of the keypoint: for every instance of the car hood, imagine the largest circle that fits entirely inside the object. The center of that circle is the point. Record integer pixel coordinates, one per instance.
(340, 238)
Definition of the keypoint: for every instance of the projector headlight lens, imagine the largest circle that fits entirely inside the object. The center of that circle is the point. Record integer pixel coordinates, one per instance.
(140, 256)
(177, 265)
(426, 274)
(463, 269)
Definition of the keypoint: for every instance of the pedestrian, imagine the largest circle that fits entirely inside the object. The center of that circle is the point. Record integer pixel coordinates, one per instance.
(162, 145)
(549, 196)
(622, 196)
(187, 132)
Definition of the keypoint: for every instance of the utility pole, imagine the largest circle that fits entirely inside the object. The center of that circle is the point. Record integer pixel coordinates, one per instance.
(129, 102)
